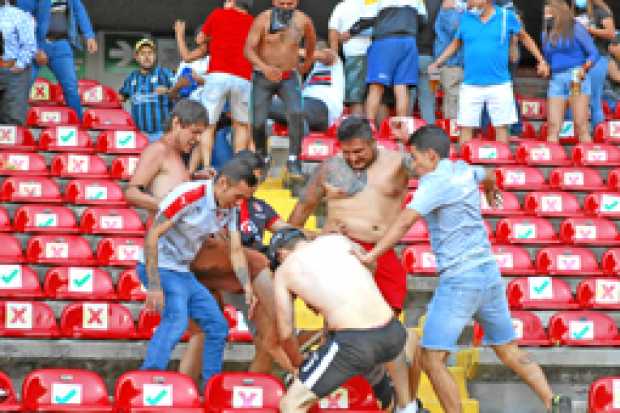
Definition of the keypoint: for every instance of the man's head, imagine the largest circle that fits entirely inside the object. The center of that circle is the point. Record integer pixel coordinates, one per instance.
(479, 4)
(286, 4)
(238, 4)
(256, 162)
(357, 142)
(186, 123)
(282, 244)
(145, 54)
(428, 145)
(234, 183)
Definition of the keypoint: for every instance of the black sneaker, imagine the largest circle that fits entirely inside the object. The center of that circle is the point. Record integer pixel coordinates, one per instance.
(294, 170)
(421, 408)
(561, 404)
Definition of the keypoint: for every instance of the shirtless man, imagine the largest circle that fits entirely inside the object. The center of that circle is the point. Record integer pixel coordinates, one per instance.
(365, 188)
(272, 47)
(363, 331)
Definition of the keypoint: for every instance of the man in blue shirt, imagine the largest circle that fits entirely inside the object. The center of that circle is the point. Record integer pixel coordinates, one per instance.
(485, 33)
(17, 29)
(59, 24)
(470, 284)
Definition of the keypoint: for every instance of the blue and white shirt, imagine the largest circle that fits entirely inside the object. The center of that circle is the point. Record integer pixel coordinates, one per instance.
(17, 29)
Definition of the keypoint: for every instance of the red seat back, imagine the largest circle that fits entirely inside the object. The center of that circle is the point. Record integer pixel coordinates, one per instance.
(129, 287)
(158, 390)
(66, 139)
(509, 207)
(73, 165)
(552, 204)
(533, 108)
(233, 390)
(5, 221)
(540, 293)
(566, 135)
(120, 251)
(520, 178)
(8, 398)
(566, 261)
(44, 92)
(419, 259)
(19, 281)
(604, 395)
(97, 321)
(49, 116)
(27, 319)
(45, 219)
(318, 147)
(541, 153)
(513, 260)
(528, 328)
(583, 328)
(22, 189)
(519, 230)
(99, 96)
(451, 127)
(602, 204)
(386, 132)
(22, 163)
(590, 231)
(487, 152)
(575, 179)
(122, 141)
(354, 394)
(593, 154)
(239, 331)
(16, 138)
(59, 250)
(113, 221)
(123, 167)
(94, 192)
(107, 119)
(11, 251)
(608, 132)
(79, 283)
(603, 293)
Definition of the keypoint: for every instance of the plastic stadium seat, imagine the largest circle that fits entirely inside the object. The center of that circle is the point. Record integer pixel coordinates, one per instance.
(520, 178)
(59, 250)
(613, 180)
(27, 319)
(8, 397)
(156, 391)
(355, 395)
(610, 261)
(509, 207)
(97, 321)
(583, 328)
(243, 392)
(528, 133)
(541, 153)
(22, 189)
(602, 204)
(419, 259)
(121, 141)
(45, 219)
(239, 331)
(566, 136)
(490, 231)
(120, 251)
(617, 112)
(65, 390)
(94, 192)
(86, 83)
(79, 283)
(22, 164)
(608, 132)
(44, 92)
(111, 221)
(5, 221)
(66, 139)
(513, 260)
(576, 179)
(599, 293)
(123, 167)
(552, 204)
(99, 96)
(148, 321)
(279, 129)
(417, 233)
(604, 395)
(107, 119)
(451, 128)
(593, 154)
(50, 116)
(318, 147)
(487, 152)
(129, 287)
(589, 231)
(413, 124)
(11, 251)
(540, 293)
(16, 138)
(71, 165)
(533, 108)
(19, 281)
(566, 261)
(525, 231)
(528, 329)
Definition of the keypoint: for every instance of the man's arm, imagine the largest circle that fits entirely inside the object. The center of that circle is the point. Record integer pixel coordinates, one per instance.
(489, 186)
(309, 43)
(452, 48)
(84, 21)
(608, 32)
(334, 40)
(530, 45)
(148, 167)
(155, 295)
(253, 40)
(614, 71)
(186, 54)
(310, 198)
(240, 265)
(284, 316)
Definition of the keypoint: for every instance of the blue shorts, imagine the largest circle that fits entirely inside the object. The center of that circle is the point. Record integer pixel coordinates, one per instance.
(393, 61)
(560, 85)
(477, 293)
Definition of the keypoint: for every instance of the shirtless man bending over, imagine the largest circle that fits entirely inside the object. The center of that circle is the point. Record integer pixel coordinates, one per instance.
(363, 332)
(272, 47)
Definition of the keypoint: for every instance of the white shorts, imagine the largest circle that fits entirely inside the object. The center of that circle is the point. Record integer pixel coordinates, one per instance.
(220, 86)
(499, 100)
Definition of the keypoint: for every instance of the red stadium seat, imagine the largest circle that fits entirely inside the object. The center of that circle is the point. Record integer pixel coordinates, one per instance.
(576, 179)
(610, 261)
(22, 164)
(231, 392)
(604, 395)
(119, 251)
(239, 331)
(583, 328)
(451, 128)
(11, 251)
(541, 153)
(487, 152)
(111, 221)
(417, 233)
(66, 139)
(520, 178)
(99, 96)
(386, 132)
(513, 260)
(528, 329)
(490, 231)
(355, 395)
(27, 319)
(613, 180)
(59, 250)
(552, 204)
(94, 192)
(566, 261)
(121, 141)
(540, 293)
(566, 136)
(65, 390)
(8, 397)
(97, 321)
(50, 116)
(70, 165)
(148, 321)
(419, 259)
(607, 132)
(533, 108)
(589, 231)
(617, 112)
(509, 207)
(22, 189)
(5, 221)
(16, 138)
(107, 119)
(317, 147)
(599, 293)
(123, 167)
(45, 218)
(528, 133)
(156, 391)
(279, 129)
(592, 154)
(19, 281)
(525, 231)
(44, 92)
(129, 287)
(79, 283)
(602, 204)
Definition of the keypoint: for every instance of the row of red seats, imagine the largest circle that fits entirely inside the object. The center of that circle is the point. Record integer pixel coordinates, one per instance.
(74, 250)
(92, 94)
(97, 119)
(526, 178)
(604, 395)
(536, 109)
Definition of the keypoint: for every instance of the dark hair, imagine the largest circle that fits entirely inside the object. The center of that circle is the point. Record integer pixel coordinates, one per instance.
(238, 170)
(188, 113)
(285, 238)
(252, 158)
(431, 137)
(354, 127)
(244, 4)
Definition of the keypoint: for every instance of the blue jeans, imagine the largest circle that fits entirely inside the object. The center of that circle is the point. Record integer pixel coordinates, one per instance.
(222, 151)
(60, 55)
(185, 298)
(598, 74)
(423, 92)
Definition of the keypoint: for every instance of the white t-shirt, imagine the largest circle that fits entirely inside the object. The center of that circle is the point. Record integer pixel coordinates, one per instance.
(346, 14)
(201, 67)
(326, 83)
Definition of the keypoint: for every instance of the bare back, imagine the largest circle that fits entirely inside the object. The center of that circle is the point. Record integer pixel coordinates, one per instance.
(281, 49)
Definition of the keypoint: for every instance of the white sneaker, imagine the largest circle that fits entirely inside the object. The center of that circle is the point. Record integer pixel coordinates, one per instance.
(410, 408)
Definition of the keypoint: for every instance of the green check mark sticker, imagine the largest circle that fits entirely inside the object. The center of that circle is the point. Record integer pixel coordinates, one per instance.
(7, 278)
(47, 223)
(66, 398)
(525, 234)
(79, 282)
(125, 141)
(611, 205)
(541, 288)
(581, 333)
(66, 138)
(98, 195)
(154, 401)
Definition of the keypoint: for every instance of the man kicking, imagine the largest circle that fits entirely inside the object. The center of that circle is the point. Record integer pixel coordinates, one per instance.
(470, 283)
(363, 331)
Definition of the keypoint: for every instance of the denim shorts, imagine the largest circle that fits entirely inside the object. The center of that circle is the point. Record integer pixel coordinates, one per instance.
(559, 84)
(478, 294)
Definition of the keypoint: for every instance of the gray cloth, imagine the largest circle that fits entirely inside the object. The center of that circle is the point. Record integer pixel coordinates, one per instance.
(315, 112)
(14, 91)
(59, 21)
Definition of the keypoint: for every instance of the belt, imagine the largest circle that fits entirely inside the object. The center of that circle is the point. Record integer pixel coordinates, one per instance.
(56, 37)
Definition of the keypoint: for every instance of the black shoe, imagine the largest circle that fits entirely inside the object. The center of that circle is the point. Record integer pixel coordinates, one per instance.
(294, 170)
(421, 408)
(561, 404)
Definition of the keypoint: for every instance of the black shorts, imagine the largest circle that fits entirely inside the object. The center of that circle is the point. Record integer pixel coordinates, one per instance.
(349, 353)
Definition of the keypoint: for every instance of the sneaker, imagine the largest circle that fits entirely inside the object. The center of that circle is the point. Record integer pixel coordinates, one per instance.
(421, 408)
(294, 170)
(561, 404)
